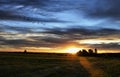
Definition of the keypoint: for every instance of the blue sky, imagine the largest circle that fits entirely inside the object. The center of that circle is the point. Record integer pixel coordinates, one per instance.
(42, 23)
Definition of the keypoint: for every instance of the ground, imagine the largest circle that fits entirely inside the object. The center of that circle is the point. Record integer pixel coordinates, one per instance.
(54, 65)
(94, 72)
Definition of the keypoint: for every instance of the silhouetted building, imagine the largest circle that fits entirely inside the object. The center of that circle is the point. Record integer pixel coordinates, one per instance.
(25, 51)
(95, 51)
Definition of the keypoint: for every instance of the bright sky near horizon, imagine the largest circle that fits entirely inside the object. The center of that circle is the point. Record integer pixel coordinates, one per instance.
(59, 25)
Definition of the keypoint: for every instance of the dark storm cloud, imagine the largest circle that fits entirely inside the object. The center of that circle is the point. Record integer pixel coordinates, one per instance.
(62, 36)
(1, 39)
(25, 2)
(46, 12)
(104, 8)
(8, 15)
(55, 40)
(8, 11)
(26, 43)
(93, 8)
(4, 28)
(106, 46)
(48, 5)
(82, 33)
(96, 8)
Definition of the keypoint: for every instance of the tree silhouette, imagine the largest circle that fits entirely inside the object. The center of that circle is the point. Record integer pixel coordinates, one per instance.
(84, 52)
(79, 53)
(90, 51)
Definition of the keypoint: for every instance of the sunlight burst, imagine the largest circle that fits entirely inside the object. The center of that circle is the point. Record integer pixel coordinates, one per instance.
(72, 50)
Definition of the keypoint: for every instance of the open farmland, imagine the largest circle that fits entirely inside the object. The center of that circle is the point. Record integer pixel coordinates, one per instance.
(110, 66)
(57, 65)
(40, 65)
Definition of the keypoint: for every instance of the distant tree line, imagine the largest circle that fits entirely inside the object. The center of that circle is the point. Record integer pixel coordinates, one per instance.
(89, 52)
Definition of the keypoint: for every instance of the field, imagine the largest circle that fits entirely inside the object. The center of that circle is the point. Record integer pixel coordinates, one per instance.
(40, 65)
(57, 65)
(110, 66)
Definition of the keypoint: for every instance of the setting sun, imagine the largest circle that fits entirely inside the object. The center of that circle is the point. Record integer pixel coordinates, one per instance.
(72, 50)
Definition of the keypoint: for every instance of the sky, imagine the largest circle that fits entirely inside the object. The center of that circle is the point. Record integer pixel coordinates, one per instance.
(59, 25)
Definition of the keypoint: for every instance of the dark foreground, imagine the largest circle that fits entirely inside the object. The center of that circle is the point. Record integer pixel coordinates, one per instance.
(58, 65)
(110, 65)
(40, 65)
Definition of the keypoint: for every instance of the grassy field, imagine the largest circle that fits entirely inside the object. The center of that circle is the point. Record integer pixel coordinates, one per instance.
(54, 65)
(40, 65)
(109, 65)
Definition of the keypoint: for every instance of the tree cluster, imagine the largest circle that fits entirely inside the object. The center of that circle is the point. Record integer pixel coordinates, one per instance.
(88, 52)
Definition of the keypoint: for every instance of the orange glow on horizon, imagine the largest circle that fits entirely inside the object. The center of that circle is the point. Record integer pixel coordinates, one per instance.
(72, 50)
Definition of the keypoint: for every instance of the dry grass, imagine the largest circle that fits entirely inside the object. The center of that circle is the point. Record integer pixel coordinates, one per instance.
(109, 65)
(37, 65)
(94, 72)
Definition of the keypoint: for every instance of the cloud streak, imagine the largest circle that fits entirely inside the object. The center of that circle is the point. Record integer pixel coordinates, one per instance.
(51, 23)
(56, 37)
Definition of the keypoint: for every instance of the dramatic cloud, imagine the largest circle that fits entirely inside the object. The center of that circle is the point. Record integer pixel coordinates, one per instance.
(80, 32)
(7, 15)
(54, 23)
(110, 46)
(53, 37)
(106, 8)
